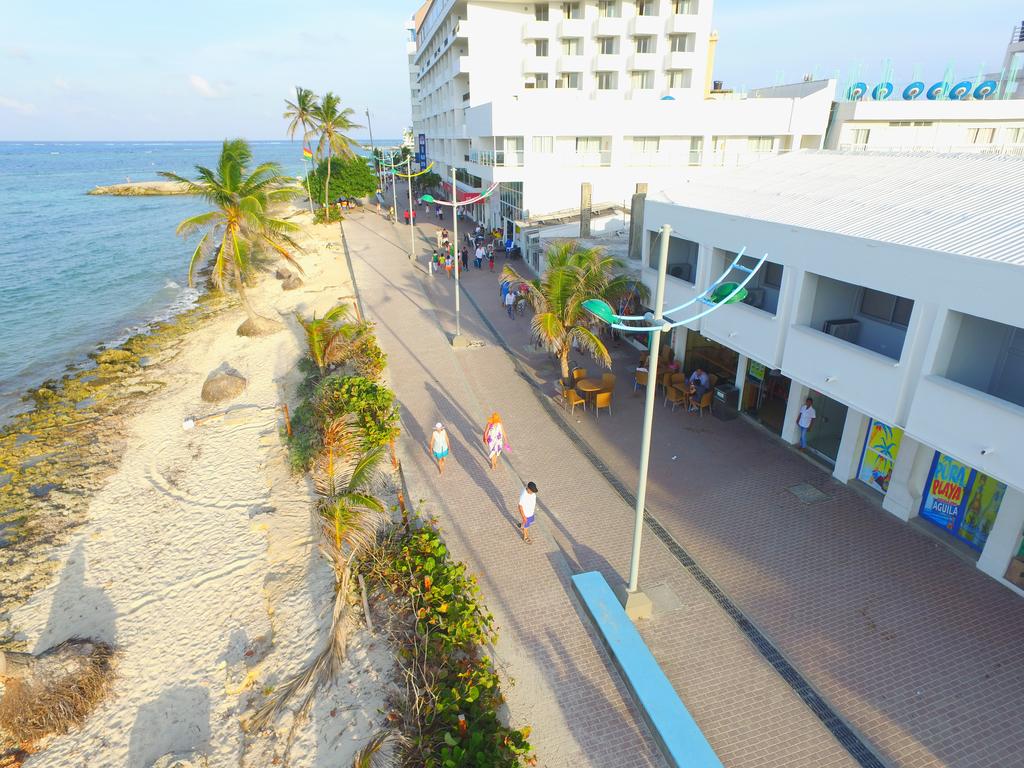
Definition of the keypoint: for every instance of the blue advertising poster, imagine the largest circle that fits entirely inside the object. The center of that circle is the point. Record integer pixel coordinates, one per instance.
(962, 500)
(421, 151)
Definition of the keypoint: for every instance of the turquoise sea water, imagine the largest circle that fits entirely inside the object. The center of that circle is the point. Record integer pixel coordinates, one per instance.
(79, 270)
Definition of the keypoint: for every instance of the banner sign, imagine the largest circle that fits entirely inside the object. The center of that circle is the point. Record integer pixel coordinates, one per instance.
(962, 500)
(881, 447)
(756, 370)
(421, 153)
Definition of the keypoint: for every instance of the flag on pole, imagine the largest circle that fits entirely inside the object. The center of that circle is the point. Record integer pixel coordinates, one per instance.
(307, 153)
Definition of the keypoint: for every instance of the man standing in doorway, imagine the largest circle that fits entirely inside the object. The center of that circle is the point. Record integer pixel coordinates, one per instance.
(804, 420)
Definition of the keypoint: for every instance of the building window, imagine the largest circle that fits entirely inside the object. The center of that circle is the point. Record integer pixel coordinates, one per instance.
(645, 44)
(572, 46)
(861, 136)
(646, 7)
(511, 197)
(684, 7)
(540, 11)
(1016, 135)
(540, 80)
(641, 81)
(572, 11)
(772, 274)
(760, 144)
(544, 145)
(608, 9)
(540, 47)
(569, 81)
(608, 45)
(886, 307)
(646, 145)
(981, 135)
(607, 81)
(680, 78)
(681, 43)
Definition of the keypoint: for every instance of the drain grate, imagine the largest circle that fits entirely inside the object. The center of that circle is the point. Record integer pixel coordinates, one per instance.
(842, 733)
(807, 493)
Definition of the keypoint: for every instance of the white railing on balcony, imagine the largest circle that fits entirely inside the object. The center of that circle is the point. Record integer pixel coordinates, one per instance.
(501, 158)
(664, 159)
(1016, 150)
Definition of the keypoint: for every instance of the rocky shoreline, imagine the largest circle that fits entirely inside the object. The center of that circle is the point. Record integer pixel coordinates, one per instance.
(141, 189)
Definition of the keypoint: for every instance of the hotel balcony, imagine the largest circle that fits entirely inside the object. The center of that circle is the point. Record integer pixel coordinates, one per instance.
(572, 64)
(574, 28)
(681, 60)
(647, 25)
(966, 422)
(748, 330)
(680, 23)
(643, 61)
(608, 62)
(868, 381)
(534, 30)
(533, 64)
(610, 27)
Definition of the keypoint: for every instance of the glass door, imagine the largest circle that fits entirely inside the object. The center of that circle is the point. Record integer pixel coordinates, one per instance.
(824, 437)
(765, 395)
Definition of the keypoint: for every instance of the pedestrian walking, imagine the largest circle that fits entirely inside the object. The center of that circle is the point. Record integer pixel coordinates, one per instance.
(495, 439)
(478, 260)
(465, 259)
(448, 263)
(510, 304)
(490, 260)
(407, 216)
(440, 446)
(439, 212)
(432, 262)
(527, 509)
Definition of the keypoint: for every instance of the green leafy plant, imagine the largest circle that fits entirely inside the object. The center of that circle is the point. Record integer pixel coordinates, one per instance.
(351, 177)
(331, 121)
(325, 335)
(367, 356)
(372, 404)
(328, 215)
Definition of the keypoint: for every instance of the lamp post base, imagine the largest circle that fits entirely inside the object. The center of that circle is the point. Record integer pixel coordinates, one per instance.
(459, 342)
(636, 604)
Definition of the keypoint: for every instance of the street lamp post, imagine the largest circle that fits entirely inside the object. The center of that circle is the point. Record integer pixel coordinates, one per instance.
(412, 211)
(720, 293)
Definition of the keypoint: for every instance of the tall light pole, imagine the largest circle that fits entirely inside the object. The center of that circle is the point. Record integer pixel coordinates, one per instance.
(717, 295)
(373, 150)
(412, 211)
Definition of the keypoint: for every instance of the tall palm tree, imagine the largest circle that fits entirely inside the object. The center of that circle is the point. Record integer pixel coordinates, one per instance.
(240, 226)
(574, 274)
(331, 122)
(300, 114)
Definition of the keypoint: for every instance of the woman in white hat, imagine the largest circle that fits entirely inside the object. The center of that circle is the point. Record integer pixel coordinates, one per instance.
(439, 445)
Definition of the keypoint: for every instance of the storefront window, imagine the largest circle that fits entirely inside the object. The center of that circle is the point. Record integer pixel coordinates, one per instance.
(961, 500)
(765, 395)
(717, 360)
(827, 432)
(881, 445)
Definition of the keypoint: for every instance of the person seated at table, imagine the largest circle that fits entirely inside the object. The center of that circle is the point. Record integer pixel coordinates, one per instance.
(696, 385)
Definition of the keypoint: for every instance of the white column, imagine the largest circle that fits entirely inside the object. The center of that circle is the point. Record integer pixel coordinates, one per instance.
(850, 446)
(797, 394)
(679, 343)
(1004, 536)
(741, 378)
(902, 498)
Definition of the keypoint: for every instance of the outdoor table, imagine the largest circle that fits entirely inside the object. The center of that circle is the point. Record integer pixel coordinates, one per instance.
(589, 387)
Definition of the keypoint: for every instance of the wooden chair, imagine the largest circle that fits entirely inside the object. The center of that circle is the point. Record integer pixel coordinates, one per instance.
(573, 398)
(639, 380)
(578, 373)
(678, 380)
(607, 382)
(675, 396)
(705, 402)
(602, 400)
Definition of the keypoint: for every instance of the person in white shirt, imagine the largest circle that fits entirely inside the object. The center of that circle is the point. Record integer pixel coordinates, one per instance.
(804, 420)
(510, 303)
(527, 508)
(439, 445)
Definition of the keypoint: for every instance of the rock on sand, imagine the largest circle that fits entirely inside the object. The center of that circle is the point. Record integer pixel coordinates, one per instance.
(223, 384)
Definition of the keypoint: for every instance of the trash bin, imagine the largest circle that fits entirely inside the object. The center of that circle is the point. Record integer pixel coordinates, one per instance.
(726, 402)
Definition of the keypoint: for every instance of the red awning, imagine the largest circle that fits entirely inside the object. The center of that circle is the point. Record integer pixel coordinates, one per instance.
(446, 185)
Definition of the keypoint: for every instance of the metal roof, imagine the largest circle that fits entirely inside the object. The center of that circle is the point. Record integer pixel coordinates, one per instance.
(965, 204)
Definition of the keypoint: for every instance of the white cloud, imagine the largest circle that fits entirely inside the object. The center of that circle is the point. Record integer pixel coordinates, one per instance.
(16, 52)
(20, 107)
(61, 84)
(205, 88)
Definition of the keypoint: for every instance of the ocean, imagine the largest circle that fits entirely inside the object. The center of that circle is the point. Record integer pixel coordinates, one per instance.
(78, 270)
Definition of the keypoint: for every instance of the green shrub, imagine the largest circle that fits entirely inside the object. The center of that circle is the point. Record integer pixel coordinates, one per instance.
(451, 629)
(372, 404)
(367, 356)
(327, 215)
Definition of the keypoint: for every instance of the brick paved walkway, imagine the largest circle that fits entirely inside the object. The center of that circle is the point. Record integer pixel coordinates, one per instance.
(915, 648)
(565, 686)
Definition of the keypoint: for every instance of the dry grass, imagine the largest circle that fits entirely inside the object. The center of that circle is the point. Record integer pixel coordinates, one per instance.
(65, 685)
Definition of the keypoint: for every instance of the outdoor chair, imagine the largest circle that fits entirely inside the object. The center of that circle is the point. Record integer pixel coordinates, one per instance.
(675, 396)
(705, 403)
(579, 373)
(573, 398)
(602, 400)
(607, 382)
(639, 380)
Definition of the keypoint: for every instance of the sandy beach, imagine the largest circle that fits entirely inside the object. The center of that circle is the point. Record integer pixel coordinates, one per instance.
(141, 189)
(198, 561)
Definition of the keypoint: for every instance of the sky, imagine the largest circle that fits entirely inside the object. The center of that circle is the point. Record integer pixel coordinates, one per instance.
(114, 70)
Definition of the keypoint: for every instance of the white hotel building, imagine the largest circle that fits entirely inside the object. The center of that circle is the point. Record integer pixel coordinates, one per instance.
(894, 296)
(543, 97)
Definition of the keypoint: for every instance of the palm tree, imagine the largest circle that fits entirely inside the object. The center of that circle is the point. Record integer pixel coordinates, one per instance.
(331, 122)
(300, 113)
(239, 227)
(574, 274)
(326, 335)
